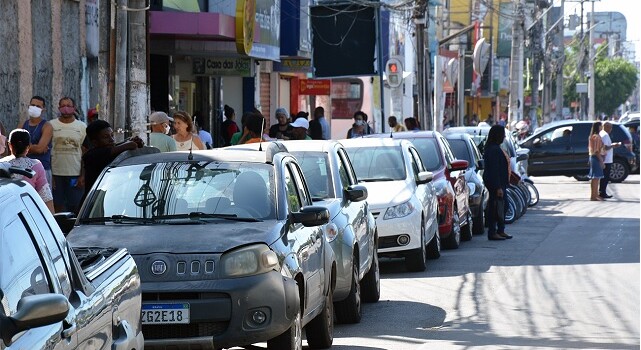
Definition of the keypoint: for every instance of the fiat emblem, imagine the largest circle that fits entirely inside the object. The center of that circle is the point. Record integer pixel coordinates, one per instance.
(158, 267)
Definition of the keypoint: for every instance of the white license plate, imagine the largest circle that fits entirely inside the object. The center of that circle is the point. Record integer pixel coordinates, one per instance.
(165, 313)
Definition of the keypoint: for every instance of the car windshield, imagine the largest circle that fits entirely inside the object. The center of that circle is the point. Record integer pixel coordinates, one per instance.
(377, 163)
(317, 175)
(183, 191)
(459, 147)
(429, 152)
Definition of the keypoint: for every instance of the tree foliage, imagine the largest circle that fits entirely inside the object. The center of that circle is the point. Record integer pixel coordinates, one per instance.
(615, 78)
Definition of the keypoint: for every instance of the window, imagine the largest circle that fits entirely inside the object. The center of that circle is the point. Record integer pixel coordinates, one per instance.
(300, 184)
(430, 155)
(459, 147)
(378, 163)
(558, 135)
(21, 270)
(348, 167)
(316, 169)
(293, 201)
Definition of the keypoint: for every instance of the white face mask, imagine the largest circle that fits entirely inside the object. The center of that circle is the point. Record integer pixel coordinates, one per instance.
(34, 112)
(167, 129)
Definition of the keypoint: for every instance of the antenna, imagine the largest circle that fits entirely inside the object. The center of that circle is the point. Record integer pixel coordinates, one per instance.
(191, 145)
(262, 128)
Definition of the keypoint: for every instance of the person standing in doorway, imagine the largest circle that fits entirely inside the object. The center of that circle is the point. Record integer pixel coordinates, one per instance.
(319, 127)
(41, 133)
(229, 127)
(608, 158)
(496, 178)
(66, 157)
(160, 129)
(595, 149)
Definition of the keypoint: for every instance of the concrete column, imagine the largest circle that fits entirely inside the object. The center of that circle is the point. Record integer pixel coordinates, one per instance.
(56, 56)
(25, 54)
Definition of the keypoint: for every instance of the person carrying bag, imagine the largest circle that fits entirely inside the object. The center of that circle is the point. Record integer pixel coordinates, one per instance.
(496, 178)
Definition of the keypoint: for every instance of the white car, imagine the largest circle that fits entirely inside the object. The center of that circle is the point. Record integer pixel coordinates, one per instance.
(401, 198)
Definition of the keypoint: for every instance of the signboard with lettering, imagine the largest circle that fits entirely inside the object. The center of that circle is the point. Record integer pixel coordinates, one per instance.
(314, 86)
(504, 46)
(240, 66)
(294, 65)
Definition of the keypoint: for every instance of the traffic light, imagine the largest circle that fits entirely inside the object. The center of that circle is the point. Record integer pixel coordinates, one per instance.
(394, 72)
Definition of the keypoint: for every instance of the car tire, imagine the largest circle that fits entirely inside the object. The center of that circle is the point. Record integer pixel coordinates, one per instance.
(416, 261)
(619, 171)
(453, 241)
(466, 231)
(371, 283)
(320, 330)
(292, 339)
(349, 310)
(434, 247)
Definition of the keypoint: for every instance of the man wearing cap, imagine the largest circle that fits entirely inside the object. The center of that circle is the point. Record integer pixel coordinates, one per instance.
(299, 129)
(158, 138)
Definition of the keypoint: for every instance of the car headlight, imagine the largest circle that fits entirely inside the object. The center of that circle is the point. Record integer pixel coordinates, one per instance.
(248, 261)
(399, 211)
(330, 232)
(472, 187)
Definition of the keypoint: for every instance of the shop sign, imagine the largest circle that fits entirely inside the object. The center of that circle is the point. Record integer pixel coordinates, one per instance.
(245, 16)
(314, 87)
(504, 47)
(240, 66)
(295, 65)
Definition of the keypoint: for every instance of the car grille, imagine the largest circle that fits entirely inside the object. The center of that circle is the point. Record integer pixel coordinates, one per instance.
(181, 296)
(387, 242)
(170, 331)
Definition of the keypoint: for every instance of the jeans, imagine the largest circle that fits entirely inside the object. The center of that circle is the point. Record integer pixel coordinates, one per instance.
(603, 183)
(66, 194)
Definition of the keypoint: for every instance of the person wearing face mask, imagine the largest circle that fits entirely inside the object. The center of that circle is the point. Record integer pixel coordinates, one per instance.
(41, 133)
(160, 129)
(66, 155)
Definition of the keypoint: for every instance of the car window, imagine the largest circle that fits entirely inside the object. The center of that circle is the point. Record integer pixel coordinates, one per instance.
(300, 185)
(620, 134)
(429, 152)
(149, 190)
(417, 160)
(347, 167)
(460, 149)
(293, 200)
(449, 155)
(315, 166)
(557, 135)
(377, 163)
(21, 269)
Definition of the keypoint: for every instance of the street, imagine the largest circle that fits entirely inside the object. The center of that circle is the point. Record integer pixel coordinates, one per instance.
(568, 280)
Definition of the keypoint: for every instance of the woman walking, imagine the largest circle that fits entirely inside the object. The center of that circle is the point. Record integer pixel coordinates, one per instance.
(185, 138)
(595, 147)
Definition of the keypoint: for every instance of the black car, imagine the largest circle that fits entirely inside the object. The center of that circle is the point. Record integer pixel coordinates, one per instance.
(562, 149)
(633, 128)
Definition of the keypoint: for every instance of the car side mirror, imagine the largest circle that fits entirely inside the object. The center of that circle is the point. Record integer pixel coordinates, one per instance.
(424, 177)
(522, 157)
(481, 164)
(34, 311)
(311, 216)
(356, 193)
(66, 221)
(459, 164)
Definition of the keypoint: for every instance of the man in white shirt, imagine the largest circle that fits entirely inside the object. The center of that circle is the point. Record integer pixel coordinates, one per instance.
(607, 159)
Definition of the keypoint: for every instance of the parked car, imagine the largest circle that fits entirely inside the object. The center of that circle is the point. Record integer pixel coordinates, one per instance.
(464, 147)
(455, 217)
(401, 197)
(54, 296)
(633, 128)
(562, 149)
(230, 247)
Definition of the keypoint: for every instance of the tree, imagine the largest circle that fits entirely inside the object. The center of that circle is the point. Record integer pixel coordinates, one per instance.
(616, 79)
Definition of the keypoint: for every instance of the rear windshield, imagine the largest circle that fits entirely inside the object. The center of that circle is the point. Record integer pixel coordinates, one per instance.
(461, 151)
(429, 152)
(377, 163)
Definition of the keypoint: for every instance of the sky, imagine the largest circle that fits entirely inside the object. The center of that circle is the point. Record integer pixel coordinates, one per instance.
(629, 8)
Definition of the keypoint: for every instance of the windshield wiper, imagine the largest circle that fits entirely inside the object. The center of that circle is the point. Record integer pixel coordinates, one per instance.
(377, 179)
(197, 215)
(119, 219)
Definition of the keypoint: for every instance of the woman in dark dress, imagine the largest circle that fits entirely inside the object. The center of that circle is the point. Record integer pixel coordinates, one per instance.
(496, 178)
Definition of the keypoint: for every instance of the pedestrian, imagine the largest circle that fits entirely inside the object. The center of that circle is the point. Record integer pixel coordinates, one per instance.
(301, 114)
(205, 136)
(411, 124)
(254, 127)
(19, 144)
(41, 133)
(282, 129)
(319, 127)
(595, 149)
(608, 148)
(160, 128)
(496, 179)
(104, 151)
(394, 125)
(185, 138)
(299, 129)
(235, 139)
(229, 127)
(66, 157)
(360, 127)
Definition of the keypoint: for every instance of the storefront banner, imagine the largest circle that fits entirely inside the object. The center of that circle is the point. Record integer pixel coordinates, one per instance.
(504, 46)
(223, 66)
(314, 86)
(294, 65)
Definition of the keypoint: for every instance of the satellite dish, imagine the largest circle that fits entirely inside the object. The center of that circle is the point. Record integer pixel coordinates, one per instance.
(451, 71)
(481, 56)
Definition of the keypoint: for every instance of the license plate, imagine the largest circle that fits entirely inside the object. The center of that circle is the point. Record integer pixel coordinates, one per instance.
(165, 313)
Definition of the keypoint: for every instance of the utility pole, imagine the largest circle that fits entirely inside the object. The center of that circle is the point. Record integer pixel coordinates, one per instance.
(120, 95)
(559, 67)
(516, 65)
(381, 64)
(420, 17)
(591, 115)
(582, 67)
(138, 88)
(437, 116)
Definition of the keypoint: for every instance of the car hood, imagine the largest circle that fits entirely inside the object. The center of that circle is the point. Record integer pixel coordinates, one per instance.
(385, 194)
(176, 239)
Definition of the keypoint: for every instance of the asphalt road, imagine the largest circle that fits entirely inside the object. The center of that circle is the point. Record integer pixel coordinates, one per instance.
(568, 280)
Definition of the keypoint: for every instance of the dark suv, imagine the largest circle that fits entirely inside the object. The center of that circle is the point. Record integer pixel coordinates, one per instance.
(230, 248)
(562, 149)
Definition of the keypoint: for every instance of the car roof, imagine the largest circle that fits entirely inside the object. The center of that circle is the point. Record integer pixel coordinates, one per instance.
(311, 145)
(408, 134)
(457, 135)
(198, 156)
(371, 142)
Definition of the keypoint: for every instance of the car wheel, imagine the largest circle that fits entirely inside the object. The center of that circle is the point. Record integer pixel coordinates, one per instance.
(416, 261)
(466, 231)
(434, 247)
(479, 223)
(619, 171)
(454, 239)
(292, 339)
(371, 283)
(320, 330)
(349, 310)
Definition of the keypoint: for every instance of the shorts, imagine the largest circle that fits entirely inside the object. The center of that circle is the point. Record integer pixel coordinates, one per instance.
(66, 194)
(596, 172)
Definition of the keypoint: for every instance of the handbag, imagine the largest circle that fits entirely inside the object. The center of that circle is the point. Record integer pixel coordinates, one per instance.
(499, 210)
(515, 179)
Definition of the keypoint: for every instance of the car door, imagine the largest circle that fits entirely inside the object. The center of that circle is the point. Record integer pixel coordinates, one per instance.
(26, 271)
(309, 241)
(552, 151)
(457, 179)
(579, 145)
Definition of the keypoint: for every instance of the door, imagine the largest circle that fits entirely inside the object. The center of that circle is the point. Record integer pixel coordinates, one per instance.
(457, 179)
(552, 152)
